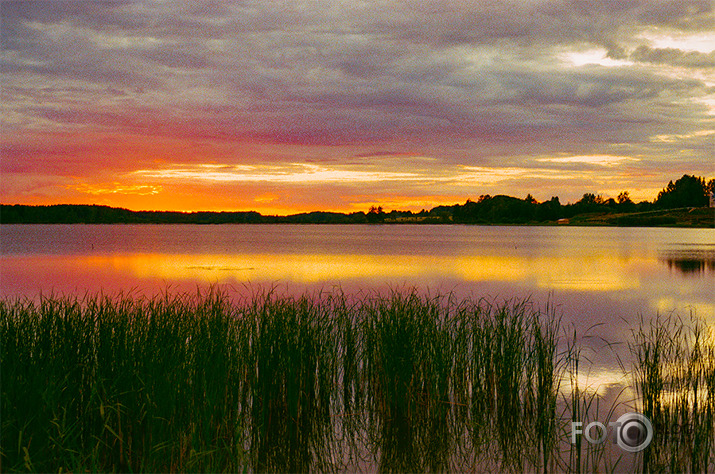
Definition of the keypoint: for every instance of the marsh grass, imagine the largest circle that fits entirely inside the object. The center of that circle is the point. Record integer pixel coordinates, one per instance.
(675, 378)
(408, 367)
(506, 384)
(292, 383)
(119, 384)
(326, 382)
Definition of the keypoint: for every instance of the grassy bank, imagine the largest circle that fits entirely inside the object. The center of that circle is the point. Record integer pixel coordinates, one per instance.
(698, 217)
(401, 382)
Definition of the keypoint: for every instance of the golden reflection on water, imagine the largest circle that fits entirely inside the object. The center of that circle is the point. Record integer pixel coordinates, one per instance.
(594, 272)
(599, 381)
(591, 274)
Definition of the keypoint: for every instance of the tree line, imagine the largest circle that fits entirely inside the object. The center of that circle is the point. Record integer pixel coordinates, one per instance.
(686, 192)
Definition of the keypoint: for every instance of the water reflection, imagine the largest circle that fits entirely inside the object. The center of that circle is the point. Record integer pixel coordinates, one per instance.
(597, 274)
(688, 266)
(691, 262)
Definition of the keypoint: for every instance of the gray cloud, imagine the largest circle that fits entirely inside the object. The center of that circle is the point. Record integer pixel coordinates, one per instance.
(485, 78)
(673, 56)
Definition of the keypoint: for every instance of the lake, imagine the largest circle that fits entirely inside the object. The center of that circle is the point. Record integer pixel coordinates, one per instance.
(601, 282)
(597, 277)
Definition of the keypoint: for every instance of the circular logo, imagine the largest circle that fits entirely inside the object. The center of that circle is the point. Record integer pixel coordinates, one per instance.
(635, 432)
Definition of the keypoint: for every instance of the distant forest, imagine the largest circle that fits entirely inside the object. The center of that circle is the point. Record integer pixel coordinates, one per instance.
(686, 193)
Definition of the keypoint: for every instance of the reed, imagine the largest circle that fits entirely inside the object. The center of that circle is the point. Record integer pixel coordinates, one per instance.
(398, 382)
(675, 377)
(292, 380)
(509, 356)
(408, 366)
(119, 384)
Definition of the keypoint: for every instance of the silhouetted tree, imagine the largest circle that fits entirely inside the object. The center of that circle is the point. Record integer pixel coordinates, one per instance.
(589, 203)
(375, 214)
(625, 204)
(549, 210)
(688, 191)
(624, 198)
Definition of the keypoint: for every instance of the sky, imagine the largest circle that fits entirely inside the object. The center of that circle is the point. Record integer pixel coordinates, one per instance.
(285, 107)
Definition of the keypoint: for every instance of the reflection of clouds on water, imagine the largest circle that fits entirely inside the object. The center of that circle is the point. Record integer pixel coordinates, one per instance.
(595, 380)
(702, 308)
(594, 274)
(599, 274)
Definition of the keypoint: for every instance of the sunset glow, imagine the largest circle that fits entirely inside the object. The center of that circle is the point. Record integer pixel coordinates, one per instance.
(326, 105)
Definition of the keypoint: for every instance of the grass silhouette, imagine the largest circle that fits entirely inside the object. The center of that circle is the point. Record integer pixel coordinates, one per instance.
(401, 382)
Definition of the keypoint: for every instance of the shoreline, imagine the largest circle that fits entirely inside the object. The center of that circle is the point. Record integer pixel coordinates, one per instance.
(689, 217)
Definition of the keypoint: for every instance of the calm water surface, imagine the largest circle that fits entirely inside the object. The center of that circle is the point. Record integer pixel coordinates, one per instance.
(599, 278)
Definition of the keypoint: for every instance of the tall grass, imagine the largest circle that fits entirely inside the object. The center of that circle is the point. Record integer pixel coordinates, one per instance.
(507, 378)
(584, 404)
(408, 367)
(120, 384)
(327, 382)
(292, 380)
(675, 378)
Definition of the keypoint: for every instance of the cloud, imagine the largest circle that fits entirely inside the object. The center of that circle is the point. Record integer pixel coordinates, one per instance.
(674, 57)
(115, 188)
(294, 173)
(600, 160)
(466, 83)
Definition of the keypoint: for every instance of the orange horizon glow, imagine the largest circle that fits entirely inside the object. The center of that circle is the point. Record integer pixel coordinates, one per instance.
(295, 187)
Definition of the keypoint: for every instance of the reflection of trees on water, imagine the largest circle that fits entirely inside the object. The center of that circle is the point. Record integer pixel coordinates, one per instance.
(690, 266)
(691, 262)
